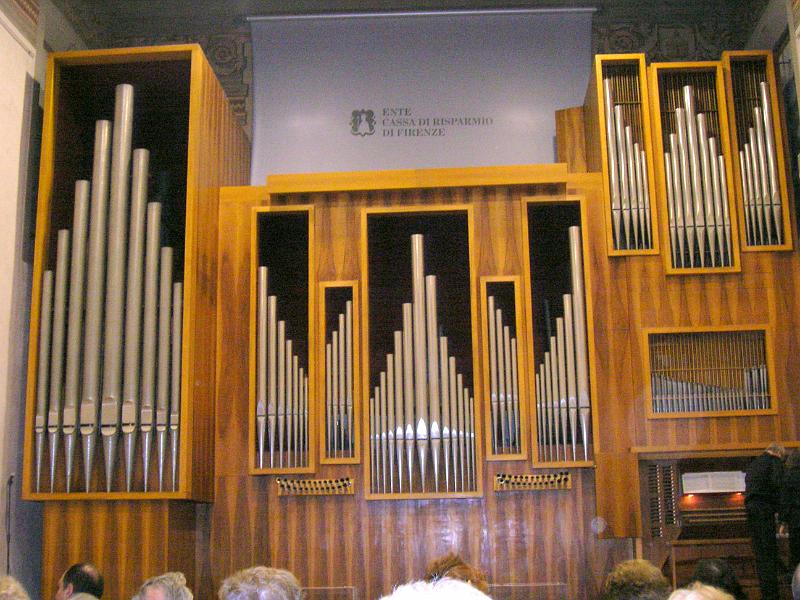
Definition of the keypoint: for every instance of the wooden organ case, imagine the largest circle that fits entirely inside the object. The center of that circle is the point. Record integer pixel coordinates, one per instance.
(120, 446)
(387, 366)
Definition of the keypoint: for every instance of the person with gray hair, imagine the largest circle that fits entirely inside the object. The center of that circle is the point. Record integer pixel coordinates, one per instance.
(169, 586)
(796, 584)
(261, 583)
(440, 589)
(11, 589)
(700, 591)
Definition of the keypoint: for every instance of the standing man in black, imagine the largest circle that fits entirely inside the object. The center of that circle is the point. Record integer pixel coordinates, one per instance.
(762, 494)
(790, 506)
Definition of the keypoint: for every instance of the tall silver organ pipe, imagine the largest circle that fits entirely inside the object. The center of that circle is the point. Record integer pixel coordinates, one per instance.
(43, 373)
(421, 412)
(95, 292)
(75, 323)
(115, 276)
(150, 334)
(133, 310)
(92, 303)
(57, 357)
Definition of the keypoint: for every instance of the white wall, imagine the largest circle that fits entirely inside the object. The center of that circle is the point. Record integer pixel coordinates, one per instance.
(16, 85)
(770, 27)
(20, 64)
(419, 90)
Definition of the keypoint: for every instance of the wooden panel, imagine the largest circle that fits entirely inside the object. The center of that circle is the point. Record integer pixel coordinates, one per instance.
(415, 179)
(630, 295)
(129, 541)
(219, 154)
(343, 540)
(570, 139)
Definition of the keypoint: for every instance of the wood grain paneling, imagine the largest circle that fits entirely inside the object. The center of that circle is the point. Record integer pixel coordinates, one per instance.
(571, 147)
(631, 294)
(374, 544)
(129, 541)
(131, 536)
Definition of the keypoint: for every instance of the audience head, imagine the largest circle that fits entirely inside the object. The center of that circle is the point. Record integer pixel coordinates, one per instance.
(261, 583)
(719, 573)
(11, 589)
(796, 584)
(80, 578)
(635, 580)
(776, 449)
(440, 589)
(169, 586)
(453, 566)
(700, 591)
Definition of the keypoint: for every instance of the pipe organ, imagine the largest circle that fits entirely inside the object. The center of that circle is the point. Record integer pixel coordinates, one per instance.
(118, 268)
(364, 342)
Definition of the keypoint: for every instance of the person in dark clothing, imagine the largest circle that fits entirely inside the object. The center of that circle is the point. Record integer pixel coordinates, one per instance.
(762, 492)
(719, 573)
(790, 506)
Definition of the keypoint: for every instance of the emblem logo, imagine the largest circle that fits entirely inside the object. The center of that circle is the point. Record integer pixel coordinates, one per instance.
(362, 122)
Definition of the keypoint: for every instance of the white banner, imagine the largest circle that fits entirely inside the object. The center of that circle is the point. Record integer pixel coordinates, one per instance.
(413, 91)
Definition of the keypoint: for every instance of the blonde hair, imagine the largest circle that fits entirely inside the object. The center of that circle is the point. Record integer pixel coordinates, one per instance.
(700, 591)
(453, 566)
(261, 583)
(776, 449)
(11, 589)
(635, 579)
(173, 584)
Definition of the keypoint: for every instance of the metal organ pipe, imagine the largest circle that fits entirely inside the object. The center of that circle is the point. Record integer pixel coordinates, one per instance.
(115, 275)
(90, 399)
(75, 323)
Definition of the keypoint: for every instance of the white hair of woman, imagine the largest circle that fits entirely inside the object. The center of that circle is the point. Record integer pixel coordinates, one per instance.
(441, 589)
(11, 589)
(261, 583)
(796, 584)
(169, 586)
(700, 591)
